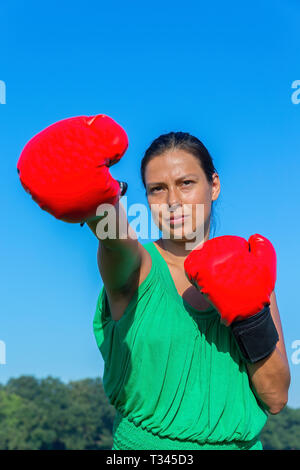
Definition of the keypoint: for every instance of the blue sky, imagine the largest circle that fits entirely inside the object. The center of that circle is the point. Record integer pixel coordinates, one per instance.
(222, 72)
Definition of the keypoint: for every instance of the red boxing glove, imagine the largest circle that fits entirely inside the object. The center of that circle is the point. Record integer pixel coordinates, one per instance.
(65, 167)
(238, 278)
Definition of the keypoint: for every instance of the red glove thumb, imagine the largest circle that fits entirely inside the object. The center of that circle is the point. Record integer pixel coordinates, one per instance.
(265, 254)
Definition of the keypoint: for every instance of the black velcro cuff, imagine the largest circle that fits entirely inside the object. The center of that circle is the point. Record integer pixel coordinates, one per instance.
(256, 336)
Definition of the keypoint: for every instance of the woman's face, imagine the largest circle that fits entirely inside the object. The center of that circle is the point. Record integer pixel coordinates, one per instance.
(180, 196)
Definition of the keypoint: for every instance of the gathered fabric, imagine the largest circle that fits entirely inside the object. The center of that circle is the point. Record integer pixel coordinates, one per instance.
(173, 373)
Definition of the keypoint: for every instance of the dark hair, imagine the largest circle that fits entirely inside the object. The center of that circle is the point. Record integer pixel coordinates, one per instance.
(184, 141)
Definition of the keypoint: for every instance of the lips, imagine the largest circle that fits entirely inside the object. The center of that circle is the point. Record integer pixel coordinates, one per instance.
(177, 220)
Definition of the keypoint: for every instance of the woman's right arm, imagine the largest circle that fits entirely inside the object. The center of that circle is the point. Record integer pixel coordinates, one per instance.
(123, 263)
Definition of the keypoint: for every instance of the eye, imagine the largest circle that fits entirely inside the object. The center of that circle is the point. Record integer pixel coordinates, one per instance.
(187, 182)
(154, 189)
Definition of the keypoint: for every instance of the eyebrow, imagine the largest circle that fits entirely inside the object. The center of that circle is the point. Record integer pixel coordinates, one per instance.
(178, 179)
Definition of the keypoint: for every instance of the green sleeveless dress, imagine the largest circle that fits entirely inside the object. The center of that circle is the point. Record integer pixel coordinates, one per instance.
(174, 374)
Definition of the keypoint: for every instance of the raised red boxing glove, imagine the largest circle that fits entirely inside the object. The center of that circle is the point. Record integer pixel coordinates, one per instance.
(238, 277)
(65, 167)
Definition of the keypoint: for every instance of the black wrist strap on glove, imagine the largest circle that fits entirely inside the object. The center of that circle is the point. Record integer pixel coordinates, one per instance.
(256, 336)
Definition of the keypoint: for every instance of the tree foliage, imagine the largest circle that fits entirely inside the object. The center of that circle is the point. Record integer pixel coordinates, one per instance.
(282, 431)
(47, 414)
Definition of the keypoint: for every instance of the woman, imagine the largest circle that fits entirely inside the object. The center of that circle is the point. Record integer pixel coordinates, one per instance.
(173, 370)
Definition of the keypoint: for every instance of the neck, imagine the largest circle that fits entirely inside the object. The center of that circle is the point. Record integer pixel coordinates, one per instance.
(175, 250)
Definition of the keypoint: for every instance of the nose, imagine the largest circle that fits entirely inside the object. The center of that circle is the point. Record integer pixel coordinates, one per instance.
(173, 198)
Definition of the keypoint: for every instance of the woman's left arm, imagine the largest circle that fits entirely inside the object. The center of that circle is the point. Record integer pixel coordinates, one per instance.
(270, 377)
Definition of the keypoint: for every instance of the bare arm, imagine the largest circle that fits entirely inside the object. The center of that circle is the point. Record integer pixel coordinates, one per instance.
(123, 262)
(270, 377)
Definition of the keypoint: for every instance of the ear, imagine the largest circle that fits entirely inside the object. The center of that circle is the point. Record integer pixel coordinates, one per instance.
(216, 187)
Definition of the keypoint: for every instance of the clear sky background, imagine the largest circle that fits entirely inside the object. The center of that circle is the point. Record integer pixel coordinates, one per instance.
(221, 71)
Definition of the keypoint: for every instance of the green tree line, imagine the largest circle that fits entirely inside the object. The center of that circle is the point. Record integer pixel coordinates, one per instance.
(47, 414)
